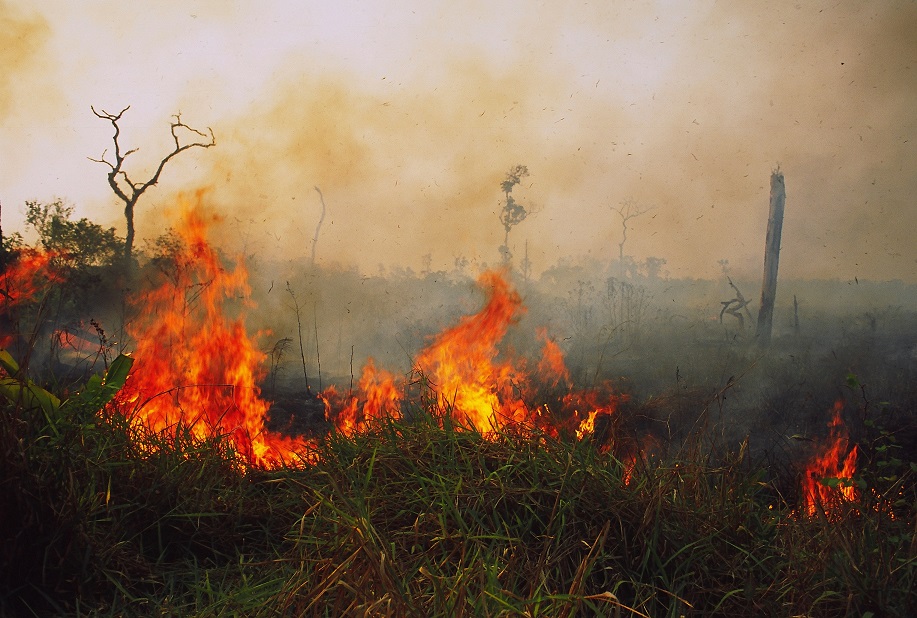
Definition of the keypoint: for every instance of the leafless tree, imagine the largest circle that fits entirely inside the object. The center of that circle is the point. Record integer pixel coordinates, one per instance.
(318, 228)
(126, 189)
(735, 306)
(628, 209)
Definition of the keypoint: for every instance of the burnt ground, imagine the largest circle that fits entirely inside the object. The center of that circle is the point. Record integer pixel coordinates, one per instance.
(298, 414)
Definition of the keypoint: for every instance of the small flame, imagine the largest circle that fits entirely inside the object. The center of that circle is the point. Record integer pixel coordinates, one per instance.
(381, 398)
(552, 369)
(587, 426)
(834, 461)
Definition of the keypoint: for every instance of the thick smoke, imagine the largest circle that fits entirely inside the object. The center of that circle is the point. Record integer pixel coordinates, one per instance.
(408, 117)
(24, 37)
(686, 114)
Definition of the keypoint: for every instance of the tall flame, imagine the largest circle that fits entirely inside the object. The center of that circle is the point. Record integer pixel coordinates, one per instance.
(833, 461)
(462, 362)
(195, 366)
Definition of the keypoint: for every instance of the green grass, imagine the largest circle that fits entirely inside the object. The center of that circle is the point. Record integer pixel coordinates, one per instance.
(422, 518)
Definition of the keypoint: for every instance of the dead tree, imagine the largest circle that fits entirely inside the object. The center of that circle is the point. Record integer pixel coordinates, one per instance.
(629, 209)
(735, 306)
(318, 228)
(126, 189)
(771, 257)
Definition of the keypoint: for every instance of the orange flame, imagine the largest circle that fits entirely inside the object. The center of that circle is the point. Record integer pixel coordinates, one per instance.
(462, 362)
(473, 381)
(552, 369)
(381, 398)
(196, 367)
(20, 282)
(587, 426)
(834, 461)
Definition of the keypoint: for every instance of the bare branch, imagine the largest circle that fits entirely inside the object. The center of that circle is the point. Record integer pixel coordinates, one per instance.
(129, 191)
(629, 209)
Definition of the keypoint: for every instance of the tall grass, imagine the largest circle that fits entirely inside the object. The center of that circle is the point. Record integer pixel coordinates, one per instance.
(424, 518)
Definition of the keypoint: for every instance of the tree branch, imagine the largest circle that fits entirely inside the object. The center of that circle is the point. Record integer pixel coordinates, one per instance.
(129, 191)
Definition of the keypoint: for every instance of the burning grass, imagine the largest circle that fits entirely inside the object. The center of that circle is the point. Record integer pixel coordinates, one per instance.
(420, 518)
(485, 485)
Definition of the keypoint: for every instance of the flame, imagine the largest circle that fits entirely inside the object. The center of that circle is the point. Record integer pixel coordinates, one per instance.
(195, 366)
(833, 461)
(381, 398)
(587, 426)
(462, 362)
(552, 369)
(477, 384)
(198, 369)
(23, 279)
(20, 282)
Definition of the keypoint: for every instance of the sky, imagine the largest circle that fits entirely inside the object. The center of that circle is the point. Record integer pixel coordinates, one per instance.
(408, 115)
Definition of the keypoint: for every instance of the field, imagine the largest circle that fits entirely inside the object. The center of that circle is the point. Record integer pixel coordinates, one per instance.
(631, 459)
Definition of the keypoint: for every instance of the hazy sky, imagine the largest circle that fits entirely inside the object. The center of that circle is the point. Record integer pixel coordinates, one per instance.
(408, 115)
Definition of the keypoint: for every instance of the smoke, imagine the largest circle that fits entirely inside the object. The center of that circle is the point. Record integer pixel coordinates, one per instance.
(27, 90)
(409, 117)
(24, 38)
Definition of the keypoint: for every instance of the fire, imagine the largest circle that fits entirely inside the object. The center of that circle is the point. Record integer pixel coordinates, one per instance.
(479, 385)
(834, 461)
(587, 427)
(552, 369)
(381, 398)
(462, 362)
(197, 367)
(20, 283)
(25, 277)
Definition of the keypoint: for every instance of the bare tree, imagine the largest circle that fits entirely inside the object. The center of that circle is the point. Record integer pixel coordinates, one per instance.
(129, 191)
(318, 228)
(628, 209)
(735, 305)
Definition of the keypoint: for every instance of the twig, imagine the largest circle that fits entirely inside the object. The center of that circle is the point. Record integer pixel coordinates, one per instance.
(318, 357)
(302, 349)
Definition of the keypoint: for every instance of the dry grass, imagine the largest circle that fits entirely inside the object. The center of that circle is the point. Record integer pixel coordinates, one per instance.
(424, 519)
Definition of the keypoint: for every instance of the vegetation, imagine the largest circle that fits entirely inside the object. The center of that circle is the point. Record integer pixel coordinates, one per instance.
(424, 518)
(100, 516)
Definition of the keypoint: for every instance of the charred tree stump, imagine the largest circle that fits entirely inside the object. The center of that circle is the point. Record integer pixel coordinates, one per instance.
(771, 257)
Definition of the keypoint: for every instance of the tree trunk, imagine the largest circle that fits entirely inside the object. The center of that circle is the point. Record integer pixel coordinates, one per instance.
(771, 257)
(129, 236)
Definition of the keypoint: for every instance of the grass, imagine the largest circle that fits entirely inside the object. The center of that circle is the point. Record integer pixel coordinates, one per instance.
(423, 518)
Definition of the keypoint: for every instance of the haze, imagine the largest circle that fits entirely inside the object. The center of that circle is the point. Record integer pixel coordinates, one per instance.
(408, 116)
